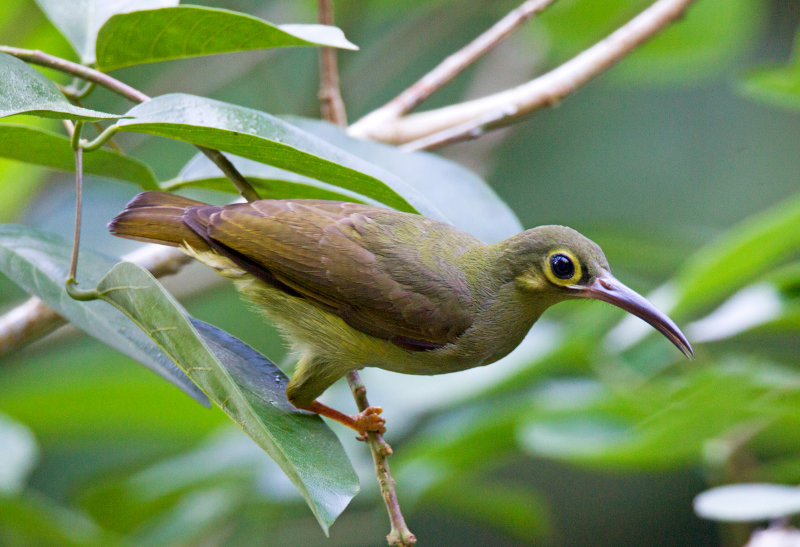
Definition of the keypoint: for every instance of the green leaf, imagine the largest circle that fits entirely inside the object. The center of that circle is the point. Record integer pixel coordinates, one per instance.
(18, 457)
(79, 20)
(751, 248)
(748, 502)
(267, 139)
(41, 147)
(462, 196)
(190, 31)
(24, 90)
(38, 262)
(245, 385)
(270, 182)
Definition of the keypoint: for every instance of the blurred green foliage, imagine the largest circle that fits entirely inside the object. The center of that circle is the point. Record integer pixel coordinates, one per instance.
(691, 189)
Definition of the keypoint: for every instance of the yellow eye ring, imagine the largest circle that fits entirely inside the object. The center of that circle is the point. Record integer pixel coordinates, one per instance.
(562, 268)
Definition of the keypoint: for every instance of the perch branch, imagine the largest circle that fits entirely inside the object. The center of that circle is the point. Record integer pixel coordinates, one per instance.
(511, 105)
(333, 111)
(399, 534)
(330, 96)
(448, 69)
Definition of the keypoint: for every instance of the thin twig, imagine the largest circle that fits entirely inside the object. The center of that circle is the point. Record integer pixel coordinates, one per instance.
(244, 187)
(330, 96)
(546, 90)
(448, 69)
(399, 534)
(84, 72)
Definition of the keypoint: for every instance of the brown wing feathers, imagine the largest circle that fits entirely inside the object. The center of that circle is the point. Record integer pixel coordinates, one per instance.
(331, 253)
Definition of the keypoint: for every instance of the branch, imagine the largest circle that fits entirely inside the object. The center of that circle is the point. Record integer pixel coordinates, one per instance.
(509, 106)
(448, 69)
(84, 72)
(399, 534)
(330, 96)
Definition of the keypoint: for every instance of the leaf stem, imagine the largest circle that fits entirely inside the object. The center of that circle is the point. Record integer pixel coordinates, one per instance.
(330, 95)
(399, 534)
(70, 284)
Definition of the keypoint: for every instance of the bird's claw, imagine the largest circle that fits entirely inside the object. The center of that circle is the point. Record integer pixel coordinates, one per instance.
(369, 419)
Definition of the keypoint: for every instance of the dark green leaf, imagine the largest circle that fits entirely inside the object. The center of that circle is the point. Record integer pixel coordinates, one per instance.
(79, 20)
(245, 384)
(40, 147)
(270, 182)
(38, 262)
(462, 196)
(267, 139)
(24, 90)
(191, 31)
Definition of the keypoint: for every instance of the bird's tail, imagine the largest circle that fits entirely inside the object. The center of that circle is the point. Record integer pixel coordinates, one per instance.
(157, 217)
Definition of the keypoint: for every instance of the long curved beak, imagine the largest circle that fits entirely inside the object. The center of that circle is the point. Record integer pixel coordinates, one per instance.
(609, 289)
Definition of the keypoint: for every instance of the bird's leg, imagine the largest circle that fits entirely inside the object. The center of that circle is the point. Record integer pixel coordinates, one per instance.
(367, 420)
(313, 376)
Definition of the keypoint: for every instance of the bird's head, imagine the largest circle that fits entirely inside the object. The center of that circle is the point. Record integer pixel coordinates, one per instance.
(558, 263)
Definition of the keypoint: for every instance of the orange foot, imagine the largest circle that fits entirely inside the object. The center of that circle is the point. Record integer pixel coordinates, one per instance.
(367, 420)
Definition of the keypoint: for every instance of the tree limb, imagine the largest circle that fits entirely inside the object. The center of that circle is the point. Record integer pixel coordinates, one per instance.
(509, 106)
(448, 69)
(330, 96)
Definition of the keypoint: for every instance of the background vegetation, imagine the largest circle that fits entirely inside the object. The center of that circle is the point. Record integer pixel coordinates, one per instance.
(681, 163)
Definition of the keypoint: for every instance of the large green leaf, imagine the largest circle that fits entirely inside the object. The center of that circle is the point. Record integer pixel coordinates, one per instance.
(79, 20)
(779, 86)
(24, 90)
(462, 196)
(41, 147)
(246, 386)
(179, 32)
(267, 139)
(38, 262)
(270, 182)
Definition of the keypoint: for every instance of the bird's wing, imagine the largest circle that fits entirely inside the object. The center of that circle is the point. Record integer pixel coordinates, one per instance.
(388, 274)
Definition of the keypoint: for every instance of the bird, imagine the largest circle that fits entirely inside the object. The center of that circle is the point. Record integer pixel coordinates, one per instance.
(353, 285)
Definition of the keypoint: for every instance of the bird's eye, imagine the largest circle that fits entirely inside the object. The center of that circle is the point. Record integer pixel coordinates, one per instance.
(562, 266)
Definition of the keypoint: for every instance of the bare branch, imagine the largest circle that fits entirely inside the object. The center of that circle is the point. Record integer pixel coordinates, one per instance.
(448, 69)
(330, 96)
(511, 105)
(399, 534)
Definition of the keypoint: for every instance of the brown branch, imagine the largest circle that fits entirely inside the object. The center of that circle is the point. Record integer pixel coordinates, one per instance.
(448, 69)
(511, 105)
(333, 111)
(330, 96)
(399, 534)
